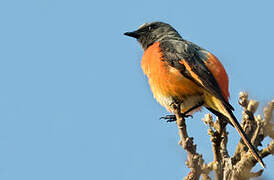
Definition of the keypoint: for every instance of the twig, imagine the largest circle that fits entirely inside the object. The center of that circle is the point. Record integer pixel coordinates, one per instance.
(249, 125)
(194, 160)
(225, 167)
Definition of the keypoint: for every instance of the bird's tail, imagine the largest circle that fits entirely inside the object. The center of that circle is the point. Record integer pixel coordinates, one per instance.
(214, 103)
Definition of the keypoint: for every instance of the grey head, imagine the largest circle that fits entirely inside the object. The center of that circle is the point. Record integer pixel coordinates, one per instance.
(149, 33)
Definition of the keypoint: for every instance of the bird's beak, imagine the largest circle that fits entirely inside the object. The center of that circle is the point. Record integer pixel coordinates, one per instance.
(134, 34)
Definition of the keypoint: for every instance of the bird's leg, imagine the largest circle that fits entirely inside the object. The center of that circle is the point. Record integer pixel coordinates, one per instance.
(191, 109)
(175, 105)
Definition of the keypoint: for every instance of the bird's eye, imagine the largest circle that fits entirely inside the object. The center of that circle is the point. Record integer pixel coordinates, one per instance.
(149, 28)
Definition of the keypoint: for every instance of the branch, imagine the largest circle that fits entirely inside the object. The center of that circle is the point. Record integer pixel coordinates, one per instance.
(249, 125)
(194, 160)
(267, 124)
(225, 167)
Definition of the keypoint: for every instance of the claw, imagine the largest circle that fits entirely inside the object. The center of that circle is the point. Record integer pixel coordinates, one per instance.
(172, 118)
(187, 116)
(169, 118)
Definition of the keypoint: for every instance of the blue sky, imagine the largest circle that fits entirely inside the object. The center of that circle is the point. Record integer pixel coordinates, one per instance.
(74, 103)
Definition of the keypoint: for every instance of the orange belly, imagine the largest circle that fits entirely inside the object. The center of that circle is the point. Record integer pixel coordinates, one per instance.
(167, 83)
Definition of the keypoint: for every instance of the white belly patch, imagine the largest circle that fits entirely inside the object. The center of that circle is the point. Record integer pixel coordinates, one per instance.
(187, 102)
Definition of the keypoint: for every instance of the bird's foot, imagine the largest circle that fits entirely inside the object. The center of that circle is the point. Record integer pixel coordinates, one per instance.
(172, 118)
(169, 118)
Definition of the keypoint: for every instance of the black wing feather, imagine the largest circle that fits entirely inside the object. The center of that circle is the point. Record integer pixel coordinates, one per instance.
(195, 57)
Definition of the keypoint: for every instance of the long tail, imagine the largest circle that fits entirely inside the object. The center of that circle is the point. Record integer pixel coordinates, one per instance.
(215, 104)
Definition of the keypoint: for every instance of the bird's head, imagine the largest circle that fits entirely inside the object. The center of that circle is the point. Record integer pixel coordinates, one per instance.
(149, 33)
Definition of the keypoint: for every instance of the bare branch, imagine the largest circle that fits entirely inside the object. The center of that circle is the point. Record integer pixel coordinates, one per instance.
(225, 167)
(268, 125)
(249, 125)
(194, 160)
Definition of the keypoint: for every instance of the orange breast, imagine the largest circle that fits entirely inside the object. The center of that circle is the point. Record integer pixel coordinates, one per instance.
(165, 81)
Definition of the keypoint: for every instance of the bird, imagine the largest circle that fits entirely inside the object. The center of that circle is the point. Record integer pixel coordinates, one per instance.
(181, 72)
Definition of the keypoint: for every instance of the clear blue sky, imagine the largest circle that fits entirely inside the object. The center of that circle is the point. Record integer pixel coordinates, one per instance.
(74, 103)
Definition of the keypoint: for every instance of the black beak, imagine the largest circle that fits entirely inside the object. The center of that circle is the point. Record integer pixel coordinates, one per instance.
(134, 34)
